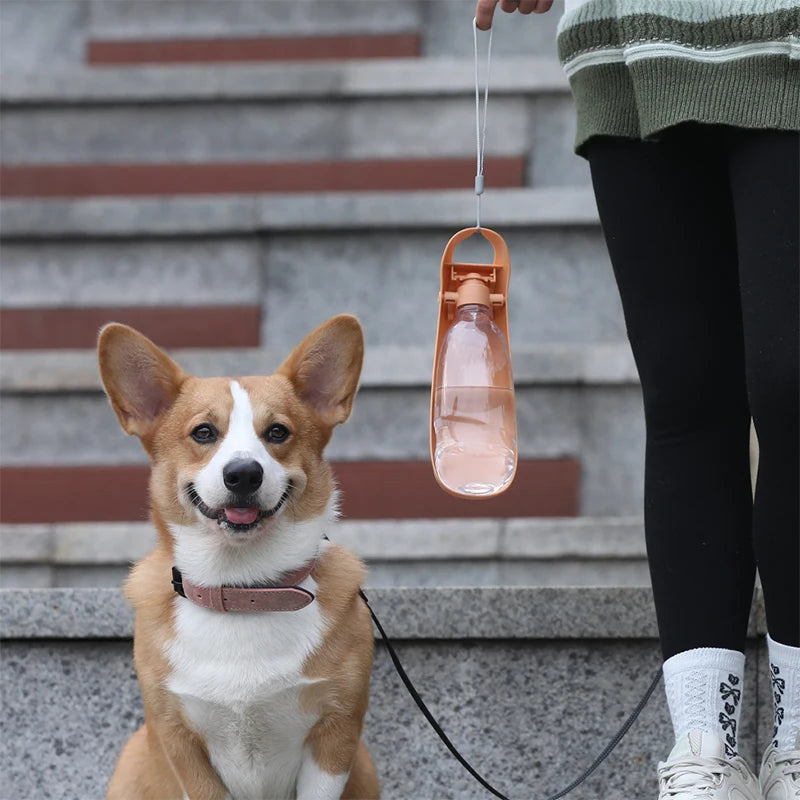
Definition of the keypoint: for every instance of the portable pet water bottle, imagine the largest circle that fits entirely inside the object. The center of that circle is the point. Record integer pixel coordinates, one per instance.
(473, 414)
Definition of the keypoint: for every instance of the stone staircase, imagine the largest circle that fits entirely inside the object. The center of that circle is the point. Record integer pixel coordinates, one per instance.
(226, 207)
(527, 551)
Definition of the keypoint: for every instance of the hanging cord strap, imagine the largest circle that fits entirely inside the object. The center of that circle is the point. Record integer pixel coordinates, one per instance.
(480, 128)
(464, 763)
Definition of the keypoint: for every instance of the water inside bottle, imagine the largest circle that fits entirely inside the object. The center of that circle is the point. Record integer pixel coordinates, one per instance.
(475, 445)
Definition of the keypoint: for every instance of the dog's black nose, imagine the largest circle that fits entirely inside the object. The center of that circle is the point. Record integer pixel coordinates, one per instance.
(242, 475)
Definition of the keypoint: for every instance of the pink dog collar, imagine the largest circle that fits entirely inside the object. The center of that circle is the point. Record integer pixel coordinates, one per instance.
(285, 595)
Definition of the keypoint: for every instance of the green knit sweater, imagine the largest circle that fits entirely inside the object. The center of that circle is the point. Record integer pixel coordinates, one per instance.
(637, 67)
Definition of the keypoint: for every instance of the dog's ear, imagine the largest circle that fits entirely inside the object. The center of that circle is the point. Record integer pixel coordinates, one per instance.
(324, 368)
(141, 381)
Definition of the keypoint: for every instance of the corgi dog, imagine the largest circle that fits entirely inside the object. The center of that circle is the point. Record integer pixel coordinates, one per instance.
(252, 645)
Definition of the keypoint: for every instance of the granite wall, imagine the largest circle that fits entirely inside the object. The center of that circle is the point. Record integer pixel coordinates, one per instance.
(530, 684)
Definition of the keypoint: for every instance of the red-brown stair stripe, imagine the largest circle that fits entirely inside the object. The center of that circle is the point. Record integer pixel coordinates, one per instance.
(198, 326)
(73, 494)
(100, 52)
(87, 180)
(407, 490)
(370, 490)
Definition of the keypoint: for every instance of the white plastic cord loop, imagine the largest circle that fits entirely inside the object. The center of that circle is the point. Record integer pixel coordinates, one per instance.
(480, 128)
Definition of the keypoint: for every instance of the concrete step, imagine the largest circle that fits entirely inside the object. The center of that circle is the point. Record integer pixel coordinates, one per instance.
(385, 366)
(439, 76)
(388, 424)
(518, 678)
(579, 410)
(443, 28)
(341, 110)
(84, 131)
(421, 552)
(322, 253)
(62, 34)
(287, 213)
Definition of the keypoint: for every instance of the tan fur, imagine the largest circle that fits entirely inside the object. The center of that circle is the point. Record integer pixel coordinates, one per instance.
(161, 404)
(363, 781)
(349, 645)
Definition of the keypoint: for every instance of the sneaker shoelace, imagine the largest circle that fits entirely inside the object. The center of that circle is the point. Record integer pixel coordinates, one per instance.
(789, 764)
(701, 775)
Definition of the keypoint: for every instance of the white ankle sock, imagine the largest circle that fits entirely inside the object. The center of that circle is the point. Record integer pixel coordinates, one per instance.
(784, 664)
(704, 692)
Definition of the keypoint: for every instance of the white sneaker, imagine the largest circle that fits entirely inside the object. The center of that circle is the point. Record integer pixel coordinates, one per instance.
(697, 769)
(780, 773)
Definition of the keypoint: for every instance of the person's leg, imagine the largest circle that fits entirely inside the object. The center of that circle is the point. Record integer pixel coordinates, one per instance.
(765, 182)
(667, 217)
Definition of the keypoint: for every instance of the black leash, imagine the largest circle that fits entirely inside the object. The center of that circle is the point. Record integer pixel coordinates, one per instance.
(464, 763)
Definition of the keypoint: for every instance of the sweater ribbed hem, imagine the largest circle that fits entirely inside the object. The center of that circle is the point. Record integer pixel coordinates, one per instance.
(639, 100)
(640, 29)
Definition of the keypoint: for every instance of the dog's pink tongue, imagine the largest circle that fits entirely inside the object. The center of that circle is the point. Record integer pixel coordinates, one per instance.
(241, 516)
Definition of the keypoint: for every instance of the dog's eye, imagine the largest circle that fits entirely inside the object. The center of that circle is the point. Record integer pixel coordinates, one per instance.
(277, 433)
(205, 433)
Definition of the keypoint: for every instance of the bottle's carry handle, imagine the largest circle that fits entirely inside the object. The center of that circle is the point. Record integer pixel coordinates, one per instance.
(494, 238)
(496, 276)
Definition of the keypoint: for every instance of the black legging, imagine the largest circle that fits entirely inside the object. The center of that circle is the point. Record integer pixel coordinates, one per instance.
(702, 230)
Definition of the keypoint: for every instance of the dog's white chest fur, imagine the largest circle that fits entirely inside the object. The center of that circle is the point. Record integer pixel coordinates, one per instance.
(239, 678)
